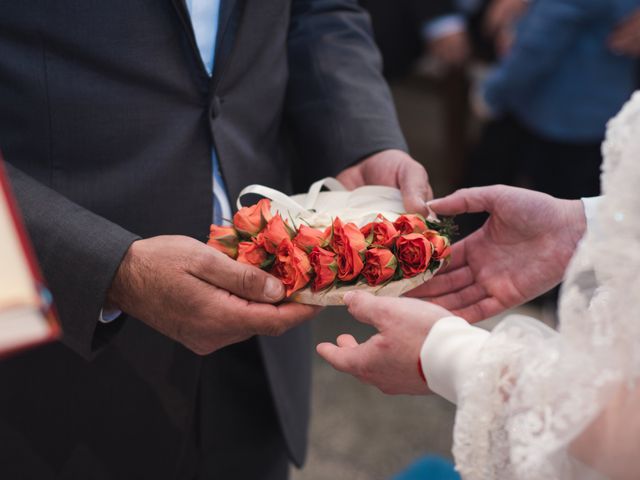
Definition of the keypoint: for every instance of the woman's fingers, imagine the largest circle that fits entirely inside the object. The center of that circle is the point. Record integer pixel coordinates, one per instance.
(346, 341)
(467, 200)
(445, 283)
(344, 359)
(485, 308)
(461, 299)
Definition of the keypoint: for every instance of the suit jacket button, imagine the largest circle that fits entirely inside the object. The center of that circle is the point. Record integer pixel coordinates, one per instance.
(215, 107)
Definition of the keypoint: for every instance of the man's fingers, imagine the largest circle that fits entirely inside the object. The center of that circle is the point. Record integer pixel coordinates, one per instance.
(346, 340)
(243, 280)
(347, 360)
(413, 181)
(458, 254)
(275, 320)
(443, 284)
(467, 200)
(485, 308)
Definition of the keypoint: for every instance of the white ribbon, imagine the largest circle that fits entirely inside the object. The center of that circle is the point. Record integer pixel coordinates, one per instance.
(318, 208)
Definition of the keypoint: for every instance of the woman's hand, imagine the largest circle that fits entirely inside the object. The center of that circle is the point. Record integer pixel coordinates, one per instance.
(625, 39)
(521, 251)
(389, 359)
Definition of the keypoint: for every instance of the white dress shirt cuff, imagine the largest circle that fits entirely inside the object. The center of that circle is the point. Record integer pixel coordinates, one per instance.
(108, 316)
(449, 353)
(444, 26)
(590, 212)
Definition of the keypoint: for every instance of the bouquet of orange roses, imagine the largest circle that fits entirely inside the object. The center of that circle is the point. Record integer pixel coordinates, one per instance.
(311, 262)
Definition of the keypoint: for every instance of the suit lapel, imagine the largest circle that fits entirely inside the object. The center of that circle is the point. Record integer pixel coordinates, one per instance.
(185, 19)
(229, 23)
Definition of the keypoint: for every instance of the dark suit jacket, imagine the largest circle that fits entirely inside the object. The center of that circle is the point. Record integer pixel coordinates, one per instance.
(107, 119)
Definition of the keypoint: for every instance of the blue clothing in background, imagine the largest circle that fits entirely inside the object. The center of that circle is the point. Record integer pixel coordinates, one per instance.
(429, 468)
(560, 79)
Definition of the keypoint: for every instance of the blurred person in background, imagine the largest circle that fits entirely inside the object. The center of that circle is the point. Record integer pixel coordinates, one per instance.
(551, 94)
(398, 27)
(625, 40)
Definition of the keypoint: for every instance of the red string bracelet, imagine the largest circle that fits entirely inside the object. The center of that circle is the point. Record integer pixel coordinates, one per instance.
(420, 371)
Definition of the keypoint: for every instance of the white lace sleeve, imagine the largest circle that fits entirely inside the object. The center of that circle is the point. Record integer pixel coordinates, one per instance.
(533, 391)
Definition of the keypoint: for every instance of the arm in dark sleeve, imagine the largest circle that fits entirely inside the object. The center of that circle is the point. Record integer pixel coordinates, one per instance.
(426, 10)
(549, 31)
(79, 253)
(339, 106)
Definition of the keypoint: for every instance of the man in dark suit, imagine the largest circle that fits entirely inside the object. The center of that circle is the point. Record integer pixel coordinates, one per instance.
(114, 121)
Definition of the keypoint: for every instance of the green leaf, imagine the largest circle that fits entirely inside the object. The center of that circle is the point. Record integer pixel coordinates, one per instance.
(446, 227)
(268, 262)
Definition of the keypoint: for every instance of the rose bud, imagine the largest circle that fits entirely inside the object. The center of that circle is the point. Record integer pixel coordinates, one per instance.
(380, 266)
(380, 233)
(414, 254)
(325, 266)
(346, 237)
(349, 243)
(350, 264)
(249, 221)
(224, 239)
(406, 224)
(276, 231)
(292, 267)
(308, 238)
(252, 254)
(441, 245)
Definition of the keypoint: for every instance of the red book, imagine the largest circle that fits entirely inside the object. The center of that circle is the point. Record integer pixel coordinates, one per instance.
(27, 316)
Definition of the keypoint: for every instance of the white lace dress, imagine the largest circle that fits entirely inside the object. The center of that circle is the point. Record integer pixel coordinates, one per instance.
(534, 403)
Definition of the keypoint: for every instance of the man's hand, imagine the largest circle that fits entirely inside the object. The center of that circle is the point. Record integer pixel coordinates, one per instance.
(453, 49)
(520, 252)
(389, 359)
(198, 296)
(393, 168)
(625, 39)
(502, 15)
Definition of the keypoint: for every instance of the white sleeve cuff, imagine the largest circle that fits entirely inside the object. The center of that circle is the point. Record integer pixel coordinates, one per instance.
(108, 316)
(590, 212)
(449, 353)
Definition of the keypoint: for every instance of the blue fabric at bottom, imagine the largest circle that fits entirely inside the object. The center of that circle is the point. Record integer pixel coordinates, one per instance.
(429, 468)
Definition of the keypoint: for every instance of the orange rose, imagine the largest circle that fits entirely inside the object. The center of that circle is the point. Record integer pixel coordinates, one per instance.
(292, 267)
(224, 239)
(407, 224)
(380, 233)
(350, 264)
(414, 254)
(380, 266)
(441, 245)
(252, 254)
(345, 237)
(276, 231)
(349, 243)
(325, 267)
(249, 221)
(308, 238)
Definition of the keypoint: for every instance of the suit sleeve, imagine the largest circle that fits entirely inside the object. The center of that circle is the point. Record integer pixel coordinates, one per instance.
(549, 31)
(338, 104)
(79, 253)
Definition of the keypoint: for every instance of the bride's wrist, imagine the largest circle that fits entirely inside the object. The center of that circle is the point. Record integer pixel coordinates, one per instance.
(575, 221)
